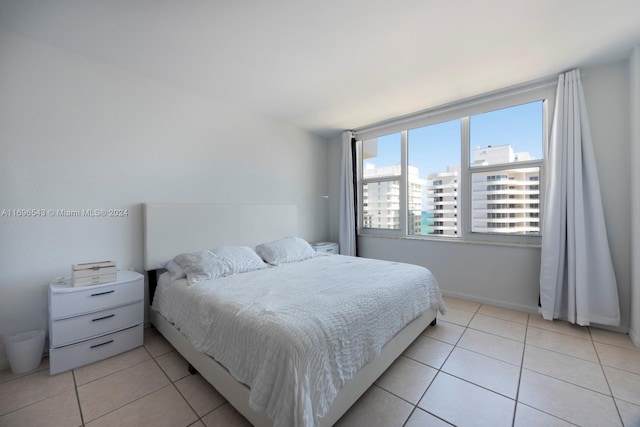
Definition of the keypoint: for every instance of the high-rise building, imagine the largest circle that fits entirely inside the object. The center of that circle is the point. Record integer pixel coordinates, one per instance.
(443, 192)
(381, 199)
(503, 201)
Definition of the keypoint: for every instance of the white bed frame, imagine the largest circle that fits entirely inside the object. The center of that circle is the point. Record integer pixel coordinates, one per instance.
(171, 229)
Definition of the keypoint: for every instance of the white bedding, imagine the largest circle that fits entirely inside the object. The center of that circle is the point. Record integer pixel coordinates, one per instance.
(297, 332)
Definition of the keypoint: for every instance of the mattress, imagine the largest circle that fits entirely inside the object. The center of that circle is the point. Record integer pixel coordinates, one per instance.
(296, 333)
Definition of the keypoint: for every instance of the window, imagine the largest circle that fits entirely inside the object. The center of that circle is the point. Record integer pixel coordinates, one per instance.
(500, 144)
(434, 167)
(474, 171)
(380, 182)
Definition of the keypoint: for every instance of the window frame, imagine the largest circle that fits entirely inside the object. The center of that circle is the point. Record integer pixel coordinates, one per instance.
(543, 90)
(402, 179)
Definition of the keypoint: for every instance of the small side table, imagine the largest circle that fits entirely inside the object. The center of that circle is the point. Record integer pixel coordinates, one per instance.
(326, 247)
(91, 323)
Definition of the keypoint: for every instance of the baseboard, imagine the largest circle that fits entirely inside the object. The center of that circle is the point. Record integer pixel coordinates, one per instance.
(635, 338)
(497, 303)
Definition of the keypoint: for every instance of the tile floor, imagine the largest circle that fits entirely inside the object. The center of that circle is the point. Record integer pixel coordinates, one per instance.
(480, 366)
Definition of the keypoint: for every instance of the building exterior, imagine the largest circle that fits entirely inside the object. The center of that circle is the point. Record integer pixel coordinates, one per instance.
(443, 192)
(381, 199)
(504, 200)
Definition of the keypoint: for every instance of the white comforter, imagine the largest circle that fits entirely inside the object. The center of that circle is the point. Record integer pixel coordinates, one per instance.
(297, 332)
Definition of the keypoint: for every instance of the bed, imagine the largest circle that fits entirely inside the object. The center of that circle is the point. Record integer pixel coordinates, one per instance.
(291, 341)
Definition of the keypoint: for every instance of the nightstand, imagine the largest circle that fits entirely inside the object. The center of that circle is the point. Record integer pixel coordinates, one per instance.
(91, 323)
(326, 247)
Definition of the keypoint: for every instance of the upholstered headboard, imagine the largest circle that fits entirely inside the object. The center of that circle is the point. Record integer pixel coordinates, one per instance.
(171, 229)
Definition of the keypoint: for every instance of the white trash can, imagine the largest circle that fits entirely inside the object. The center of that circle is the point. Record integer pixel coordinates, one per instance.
(24, 350)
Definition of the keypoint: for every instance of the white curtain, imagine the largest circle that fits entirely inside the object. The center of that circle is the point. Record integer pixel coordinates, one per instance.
(347, 234)
(577, 281)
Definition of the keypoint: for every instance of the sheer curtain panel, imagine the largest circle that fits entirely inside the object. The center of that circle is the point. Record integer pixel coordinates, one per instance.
(577, 280)
(347, 232)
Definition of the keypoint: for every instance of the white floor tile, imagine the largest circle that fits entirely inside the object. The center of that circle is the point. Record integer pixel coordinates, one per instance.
(201, 395)
(174, 365)
(420, 418)
(32, 388)
(445, 331)
(564, 375)
(457, 316)
(567, 401)
(102, 396)
(617, 357)
(629, 412)
(527, 416)
(407, 379)
(567, 368)
(562, 343)
(504, 314)
(451, 399)
(613, 338)
(429, 351)
(59, 410)
(503, 328)
(86, 374)
(484, 371)
(224, 416)
(624, 385)
(500, 348)
(377, 408)
(559, 326)
(162, 408)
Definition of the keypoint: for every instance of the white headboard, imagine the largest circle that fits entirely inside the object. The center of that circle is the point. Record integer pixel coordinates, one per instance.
(171, 229)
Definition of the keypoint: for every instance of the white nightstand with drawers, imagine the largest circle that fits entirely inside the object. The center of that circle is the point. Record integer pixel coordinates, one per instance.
(326, 247)
(91, 323)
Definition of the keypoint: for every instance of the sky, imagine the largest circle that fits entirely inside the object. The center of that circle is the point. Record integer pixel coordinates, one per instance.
(433, 148)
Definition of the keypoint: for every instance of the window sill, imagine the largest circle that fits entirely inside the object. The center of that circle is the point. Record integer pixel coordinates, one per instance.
(455, 240)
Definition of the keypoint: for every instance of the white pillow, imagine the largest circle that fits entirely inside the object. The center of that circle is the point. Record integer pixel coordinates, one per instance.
(175, 271)
(240, 258)
(288, 249)
(202, 265)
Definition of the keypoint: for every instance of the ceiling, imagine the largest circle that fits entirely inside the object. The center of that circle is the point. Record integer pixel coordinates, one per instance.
(331, 65)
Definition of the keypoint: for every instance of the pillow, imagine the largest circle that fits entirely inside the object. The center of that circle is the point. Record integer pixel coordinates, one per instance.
(175, 271)
(202, 265)
(288, 249)
(240, 258)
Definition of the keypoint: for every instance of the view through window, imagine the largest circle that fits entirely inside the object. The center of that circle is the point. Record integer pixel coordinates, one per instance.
(504, 149)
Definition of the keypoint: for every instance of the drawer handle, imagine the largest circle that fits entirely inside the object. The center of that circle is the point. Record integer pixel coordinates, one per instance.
(103, 293)
(104, 317)
(101, 344)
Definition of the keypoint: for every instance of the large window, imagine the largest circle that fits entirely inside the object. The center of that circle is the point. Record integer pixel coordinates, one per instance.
(434, 171)
(380, 182)
(473, 172)
(505, 148)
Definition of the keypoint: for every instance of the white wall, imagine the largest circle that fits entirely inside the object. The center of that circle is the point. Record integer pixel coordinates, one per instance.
(634, 71)
(335, 164)
(508, 276)
(76, 134)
